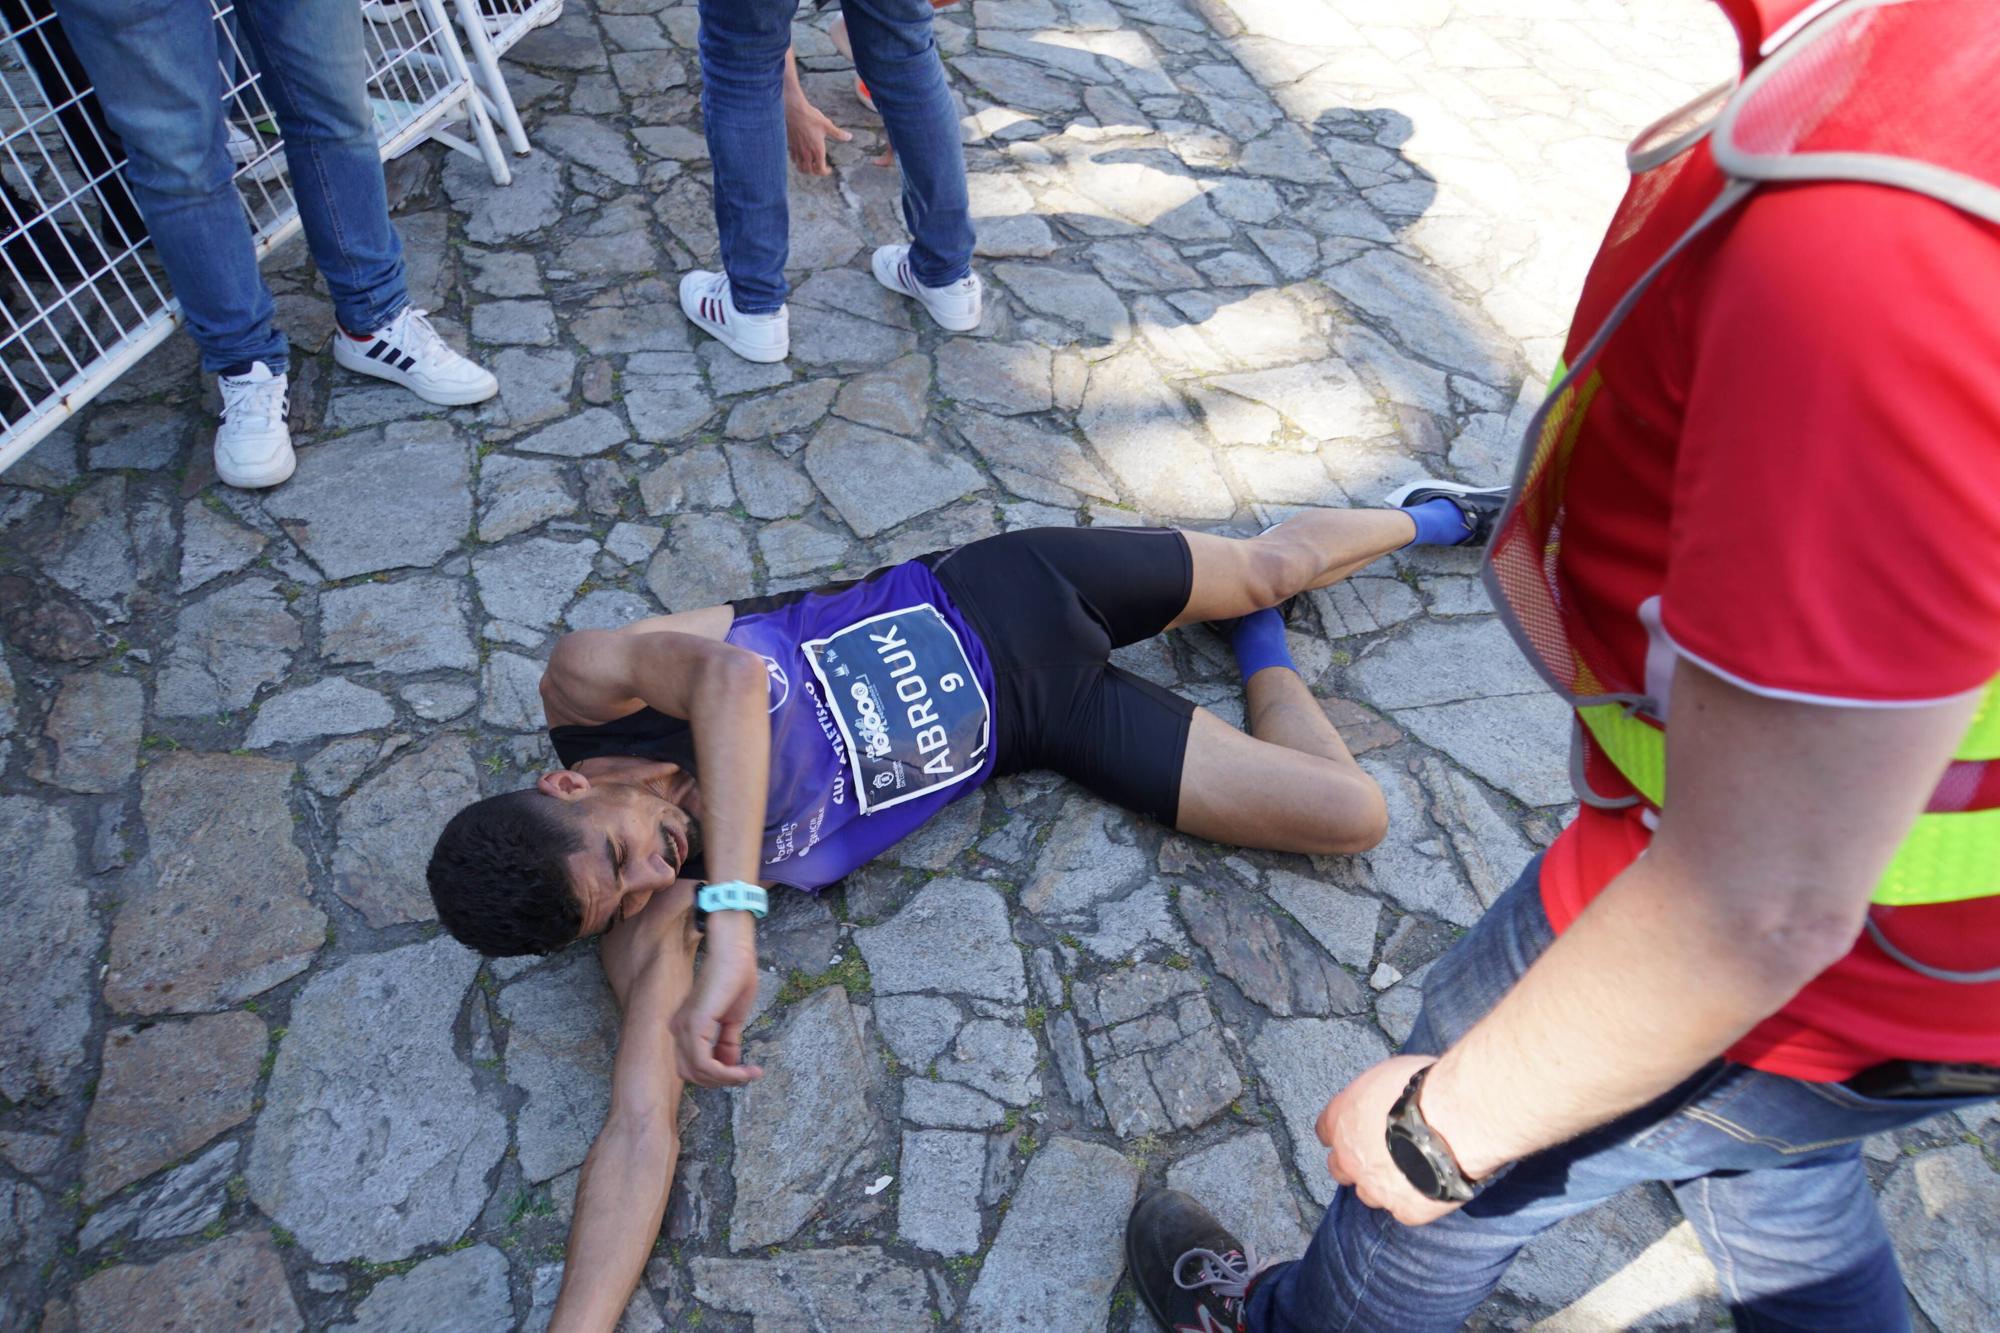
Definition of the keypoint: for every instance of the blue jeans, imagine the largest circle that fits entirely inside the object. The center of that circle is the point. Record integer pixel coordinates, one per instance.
(1766, 1169)
(743, 45)
(155, 66)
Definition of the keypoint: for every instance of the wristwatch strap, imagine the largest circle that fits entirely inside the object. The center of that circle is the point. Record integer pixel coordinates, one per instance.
(733, 896)
(1422, 1155)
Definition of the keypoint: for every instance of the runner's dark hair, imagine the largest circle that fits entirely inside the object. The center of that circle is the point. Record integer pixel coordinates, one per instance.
(498, 878)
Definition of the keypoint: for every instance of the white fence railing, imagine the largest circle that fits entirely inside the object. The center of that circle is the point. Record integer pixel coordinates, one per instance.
(81, 298)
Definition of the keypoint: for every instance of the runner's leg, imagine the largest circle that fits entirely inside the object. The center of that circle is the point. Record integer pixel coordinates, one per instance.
(1311, 549)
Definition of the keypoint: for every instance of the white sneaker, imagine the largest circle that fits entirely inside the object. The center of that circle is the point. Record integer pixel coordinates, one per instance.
(706, 301)
(955, 306)
(253, 443)
(264, 162)
(408, 351)
(386, 11)
(498, 15)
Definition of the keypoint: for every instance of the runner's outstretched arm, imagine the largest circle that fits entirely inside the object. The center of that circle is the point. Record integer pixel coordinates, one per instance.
(622, 1193)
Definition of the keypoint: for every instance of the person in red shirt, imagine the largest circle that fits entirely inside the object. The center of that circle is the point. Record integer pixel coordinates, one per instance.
(1781, 523)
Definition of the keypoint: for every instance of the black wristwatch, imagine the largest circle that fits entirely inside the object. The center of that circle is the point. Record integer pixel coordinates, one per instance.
(1424, 1159)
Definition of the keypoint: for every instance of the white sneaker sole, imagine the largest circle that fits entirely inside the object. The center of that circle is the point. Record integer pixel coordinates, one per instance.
(465, 397)
(761, 354)
(1394, 499)
(258, 479)
(953, 323)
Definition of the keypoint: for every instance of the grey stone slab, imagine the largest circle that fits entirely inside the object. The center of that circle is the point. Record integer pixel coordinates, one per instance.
(331, 707)
(236, 1283)
(1439, 662)
(414, 624)
(943, 838)
(591, 431)
(692, 479)
(562, 1035)
(92, 733)
(1519, 743)
(652, 324)
(92, 554)
(527, 323)
(388, 827)
(1142, 263)
(1244, 941)
(438, 701)
(998, 1058)
(47, 956)
(1325, 399)
(1131, 925)
(226, 647)
(937, 1208)
(164, 1090)
(145, 437)
(896, 399)
(1143, 432)
(534, 386)
(705, 562)
(187, 1199)
(793, 408)
(769, 485)
(529, 583)
(1018, 447)
(1242, 1182)
(590, 142)
(1413, 865)
(1066, 1045)
(607, 608)
(1090, 856)
(465, 1291)
(855, 1286)
(367, 503)
(217, 913)
(948, 1106)
(953, 937)
(1060, 1248)
(373, 1143)
(876, 481)
(1343, 923)
(23, 1234)
(665, 409)
(498, 214)
(1008, 378)
(516, 494)
(916, 1027)
(1082, 299)
(1943, 1211)
(800, 1128)
(633, 542)
(1417, 304)
(214, 545)
(1302, 1063)
(510, 694)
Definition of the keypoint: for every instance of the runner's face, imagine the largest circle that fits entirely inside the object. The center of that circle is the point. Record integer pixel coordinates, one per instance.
(635, 840)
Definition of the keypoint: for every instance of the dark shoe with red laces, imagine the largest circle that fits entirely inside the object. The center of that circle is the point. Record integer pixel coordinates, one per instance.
(1192, 1275)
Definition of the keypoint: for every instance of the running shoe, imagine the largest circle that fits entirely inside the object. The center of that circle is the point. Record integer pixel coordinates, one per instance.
(1189, 1271)
(706, 301)
(386, 11)
(253, 442)
(1481, 505)
(408, 351)
(954, 306)
(497, 14)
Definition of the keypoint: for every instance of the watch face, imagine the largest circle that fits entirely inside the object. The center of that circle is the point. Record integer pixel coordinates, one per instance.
(1416, 1167)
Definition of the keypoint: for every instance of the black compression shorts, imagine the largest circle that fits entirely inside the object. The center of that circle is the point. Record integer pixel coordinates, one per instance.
(1050, 604)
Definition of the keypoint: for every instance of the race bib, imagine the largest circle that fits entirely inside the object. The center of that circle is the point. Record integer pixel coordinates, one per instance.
(906, 701)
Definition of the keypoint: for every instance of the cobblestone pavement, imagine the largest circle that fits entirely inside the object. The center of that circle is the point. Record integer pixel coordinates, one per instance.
(1241, 255)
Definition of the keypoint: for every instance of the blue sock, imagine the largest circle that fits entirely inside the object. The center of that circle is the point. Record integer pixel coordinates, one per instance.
(1259, 641)
(1439, 523)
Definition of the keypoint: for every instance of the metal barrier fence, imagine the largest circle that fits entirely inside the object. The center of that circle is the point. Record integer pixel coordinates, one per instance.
(491, 28)
(81, 299)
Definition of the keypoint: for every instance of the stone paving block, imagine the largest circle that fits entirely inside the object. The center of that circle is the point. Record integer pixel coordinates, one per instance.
(1271, 967)
(953, 937)
(164, 1091)
(856, 1286)
(462, 1292)
(414, 624)
(234, 1285)
(331, 707)
(563, 1032)
(92, 733)
(370, 502)
(800, 1128)
(1060, 1249)
(876, 481)
(1943, 1211)
(388, 827)
(226, 647)
(217, 913)
(373, 1143)
(937, 1207)
(1302, 1062)
(1242, 1182)
(48, 955)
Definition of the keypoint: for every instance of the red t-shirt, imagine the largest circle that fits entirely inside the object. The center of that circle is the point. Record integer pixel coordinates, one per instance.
(1796, 483)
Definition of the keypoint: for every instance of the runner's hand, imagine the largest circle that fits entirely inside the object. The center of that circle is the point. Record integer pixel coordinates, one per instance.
(708, 1030)
(807, 129)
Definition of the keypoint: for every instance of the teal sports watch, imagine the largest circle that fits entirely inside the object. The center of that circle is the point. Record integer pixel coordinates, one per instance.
(732, 896)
